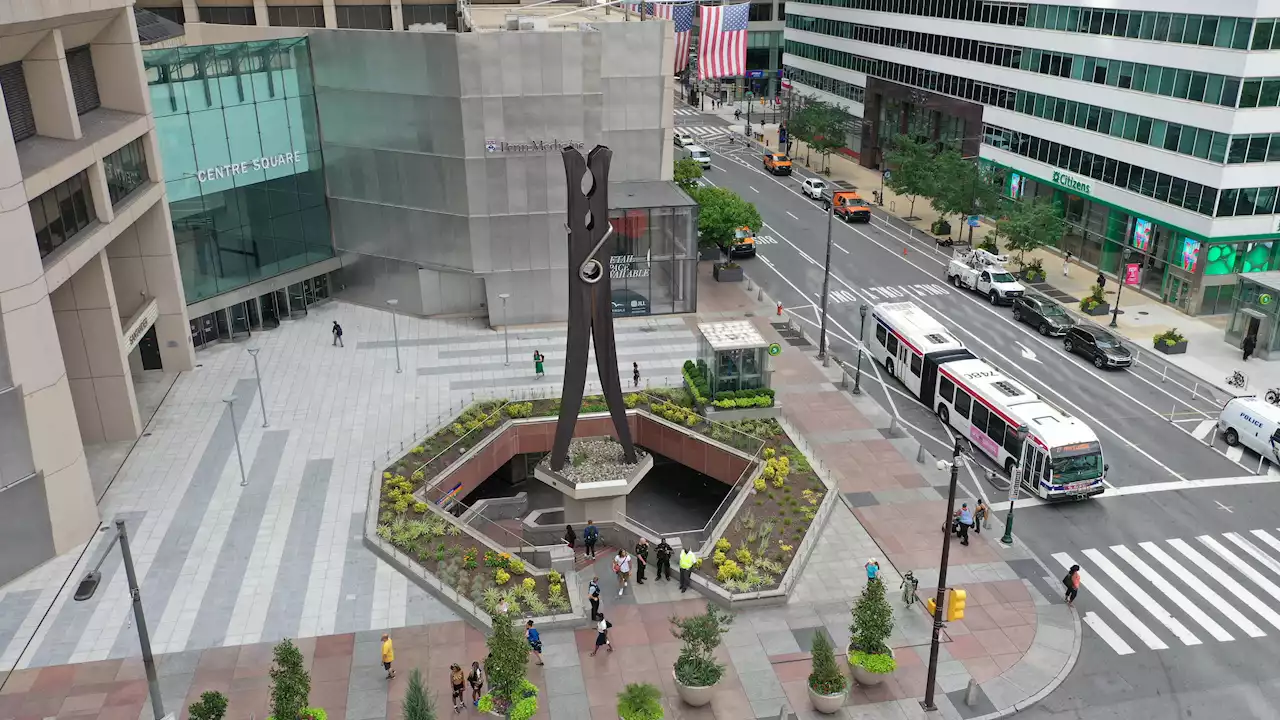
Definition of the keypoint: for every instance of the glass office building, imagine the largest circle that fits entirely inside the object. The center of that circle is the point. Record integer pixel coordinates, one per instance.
(240, 142)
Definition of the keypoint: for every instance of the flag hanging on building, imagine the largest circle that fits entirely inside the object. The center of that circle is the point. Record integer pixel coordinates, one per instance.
(722, 41)
(679, 13)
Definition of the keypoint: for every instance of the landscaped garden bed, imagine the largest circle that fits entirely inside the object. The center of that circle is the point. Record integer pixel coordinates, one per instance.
(595, 460)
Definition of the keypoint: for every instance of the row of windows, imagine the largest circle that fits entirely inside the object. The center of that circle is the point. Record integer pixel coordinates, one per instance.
(1208, 30)
(13, 84)
(126, 170)
(364, 17)
(1154, 79)
(228, 15)
(63, 211)
(1165, 188)
(296, 15)
(431, 14)
(818, 81)
(983, 420)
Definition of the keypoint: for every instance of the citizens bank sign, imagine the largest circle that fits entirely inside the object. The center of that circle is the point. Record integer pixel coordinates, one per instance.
(532, 146)
(1071, 183)
(261, 163)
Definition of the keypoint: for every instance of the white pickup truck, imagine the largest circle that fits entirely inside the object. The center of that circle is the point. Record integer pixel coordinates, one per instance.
(983, 272)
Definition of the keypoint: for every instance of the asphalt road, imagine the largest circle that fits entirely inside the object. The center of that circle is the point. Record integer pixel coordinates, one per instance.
(1155, 645)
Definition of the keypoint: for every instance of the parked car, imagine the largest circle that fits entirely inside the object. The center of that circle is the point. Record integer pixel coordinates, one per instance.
(683, 139)
(1101, 347)
(1046, 316)
(777, 163)
(813, 188)
(849, 206)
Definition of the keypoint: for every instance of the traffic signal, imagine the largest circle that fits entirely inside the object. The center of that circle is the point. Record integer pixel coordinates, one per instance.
(955, 604)
(932, 606)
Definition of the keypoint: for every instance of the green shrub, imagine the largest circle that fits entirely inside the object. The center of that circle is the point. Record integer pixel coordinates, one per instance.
(1169, 337)
(880, 664)
(211, 706)
(826, 678)
(640, 701)
(701, 635)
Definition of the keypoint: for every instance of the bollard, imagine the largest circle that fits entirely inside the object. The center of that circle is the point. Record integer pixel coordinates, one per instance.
(779, 309)
(1172, 411)
(1213, 437)
(760, 295)
(971, 693)
(1164, 373)
(750, 286)
(1195, 390)
(844, 379)
(1261, 462)
(893, 424)
(826, 359)
(920, 454)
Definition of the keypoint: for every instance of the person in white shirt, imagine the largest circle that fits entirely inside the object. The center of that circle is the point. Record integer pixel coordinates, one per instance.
(602, 636)
(622, 566)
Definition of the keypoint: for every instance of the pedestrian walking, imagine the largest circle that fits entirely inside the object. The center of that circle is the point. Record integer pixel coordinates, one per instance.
(388, 655)
(873, 569)
(593, 594)
(457, 681)
(981, 515)
(476, 679)
(635, 374)
(622, 566)
(535, 640)
(641, 555)
(602, 636)
(1250, 342)
(1102, 280)
(590, 534)
(663, 554)
(337, 334)
(687, 559)
(570, 537)
(1072, 584)
(1066, 263)
(966, 522)
(538, 360)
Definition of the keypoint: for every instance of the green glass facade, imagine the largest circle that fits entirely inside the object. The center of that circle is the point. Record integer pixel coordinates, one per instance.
(240, 143)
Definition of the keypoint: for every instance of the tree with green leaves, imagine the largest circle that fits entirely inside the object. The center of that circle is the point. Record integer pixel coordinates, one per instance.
(417, 705)
(825, 678)
(872, 620)
(510, 691)
(211, 706)
(697, 665)
(821, 125)
(1030, 225)
(912, 169)
(290, 683)
(720, 213)
(686, 174)
(961, 187)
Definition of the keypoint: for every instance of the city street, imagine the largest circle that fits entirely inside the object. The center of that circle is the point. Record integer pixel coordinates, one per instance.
(1181, 506)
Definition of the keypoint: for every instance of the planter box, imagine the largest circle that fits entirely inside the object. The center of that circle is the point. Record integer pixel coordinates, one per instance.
(867, 678)
(1031, 277)
(1100, 310)
(1177, 348)
(827, 704)
(694, 696)
(727, 274)
(710, 253)
(756, 413)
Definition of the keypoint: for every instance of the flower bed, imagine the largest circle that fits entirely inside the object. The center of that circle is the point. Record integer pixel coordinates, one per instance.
(598, 460)
(761, 541)
(759, 397)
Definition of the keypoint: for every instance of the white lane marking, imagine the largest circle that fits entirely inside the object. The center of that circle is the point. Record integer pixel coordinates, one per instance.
(1235, 453)
(1200, 484)
(1180, 631)
(1026, 352)
(1266, 537)
(1108, 635)
(1173, 593)
(1241, 566)
(1192, 579)
(846, 252)
(1128, 619)
(1254, 551)
(1200, 563)
(792, 215)
(753, 190)
(1202, 430)
(1224, 507)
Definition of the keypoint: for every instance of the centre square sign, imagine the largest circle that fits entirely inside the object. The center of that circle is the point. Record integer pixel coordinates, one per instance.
(532, 146)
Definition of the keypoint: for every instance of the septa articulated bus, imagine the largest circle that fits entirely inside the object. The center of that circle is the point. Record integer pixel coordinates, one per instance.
(1062, 455)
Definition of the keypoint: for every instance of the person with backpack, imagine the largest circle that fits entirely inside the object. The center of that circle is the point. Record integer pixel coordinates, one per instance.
(457, 682)
(593, 594)
(476, 679)
(1072, 584)
(602, 636)
(337, 334)
(590, 535)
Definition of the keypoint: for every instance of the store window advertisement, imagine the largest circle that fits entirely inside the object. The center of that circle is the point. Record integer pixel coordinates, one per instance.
(1190, 252)
(1142, 234)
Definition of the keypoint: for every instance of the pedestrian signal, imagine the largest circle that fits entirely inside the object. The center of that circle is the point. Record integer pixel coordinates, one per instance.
(955, 604)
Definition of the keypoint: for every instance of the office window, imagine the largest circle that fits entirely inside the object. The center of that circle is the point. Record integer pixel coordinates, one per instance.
(364, 17)
(13, 84)
(296, 15)
(228, 15)
(760, 12)
(126, 170)
(446, 15)
(84, 83)
(60, 213)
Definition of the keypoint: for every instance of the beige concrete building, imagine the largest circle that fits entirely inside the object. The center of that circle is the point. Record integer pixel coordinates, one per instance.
(90, 293)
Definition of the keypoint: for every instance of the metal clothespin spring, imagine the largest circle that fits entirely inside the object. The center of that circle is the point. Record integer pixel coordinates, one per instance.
(591, 270)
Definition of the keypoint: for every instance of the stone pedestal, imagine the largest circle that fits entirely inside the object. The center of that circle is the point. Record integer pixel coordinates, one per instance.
(562, 559)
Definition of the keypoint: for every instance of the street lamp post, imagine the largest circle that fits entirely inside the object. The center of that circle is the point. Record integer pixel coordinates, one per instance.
(506, 341)
(862, 331)
(253, 352)
(826, 284)
(395, 331)
(935, 645)
(230, 400)
(89, 585)
(1015, 481)
(1124, 266)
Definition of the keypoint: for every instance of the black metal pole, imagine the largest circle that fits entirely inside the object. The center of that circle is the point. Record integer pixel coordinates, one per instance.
(826, 283)
(935, 645)
(1124, 262)
(148, 662)
(862, 332)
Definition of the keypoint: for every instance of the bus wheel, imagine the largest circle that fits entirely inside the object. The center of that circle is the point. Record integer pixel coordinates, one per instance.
(1009, 467)
(943, 414)
(888, 366)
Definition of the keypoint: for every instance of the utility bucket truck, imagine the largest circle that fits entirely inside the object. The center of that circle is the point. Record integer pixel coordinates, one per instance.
(984, 272)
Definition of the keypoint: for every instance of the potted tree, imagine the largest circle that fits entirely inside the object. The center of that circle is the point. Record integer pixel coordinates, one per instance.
(291, 685)
(828, 687)
(696, 670)
(870, 656)
(1171, 342)
(511, 696)
(1095, 303)
(1033, 272)
(640, 701)
(727, 271)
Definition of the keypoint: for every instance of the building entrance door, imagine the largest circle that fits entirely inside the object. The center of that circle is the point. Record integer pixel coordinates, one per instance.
(149, 348)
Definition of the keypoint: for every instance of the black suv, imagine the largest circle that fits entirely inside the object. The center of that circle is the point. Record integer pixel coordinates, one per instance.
(1046, 316)
(1101, 347)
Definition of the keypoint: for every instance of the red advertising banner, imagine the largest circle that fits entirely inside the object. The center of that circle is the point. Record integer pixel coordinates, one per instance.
(1132, 273)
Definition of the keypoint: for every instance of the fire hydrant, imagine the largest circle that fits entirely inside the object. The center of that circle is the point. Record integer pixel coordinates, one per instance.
(779, 309)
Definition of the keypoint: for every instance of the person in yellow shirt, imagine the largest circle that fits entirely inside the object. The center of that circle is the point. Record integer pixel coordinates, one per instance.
(388, 655)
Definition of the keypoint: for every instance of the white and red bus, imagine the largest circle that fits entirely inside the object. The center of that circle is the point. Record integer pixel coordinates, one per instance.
(911, 344)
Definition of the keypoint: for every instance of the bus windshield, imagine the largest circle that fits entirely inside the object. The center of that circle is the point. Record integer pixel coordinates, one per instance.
(1077, 466)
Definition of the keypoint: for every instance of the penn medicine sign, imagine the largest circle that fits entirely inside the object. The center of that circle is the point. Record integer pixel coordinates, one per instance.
(261, 163)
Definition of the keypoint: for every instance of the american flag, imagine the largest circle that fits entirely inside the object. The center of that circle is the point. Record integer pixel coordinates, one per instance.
(722, 43)
(679, 13)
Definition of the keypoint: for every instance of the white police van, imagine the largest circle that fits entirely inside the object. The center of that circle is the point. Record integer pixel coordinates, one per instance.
(1254, 423)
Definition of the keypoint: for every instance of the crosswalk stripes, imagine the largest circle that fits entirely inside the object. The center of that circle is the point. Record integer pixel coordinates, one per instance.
(687, 111)
(703, 131)
(1180, 592)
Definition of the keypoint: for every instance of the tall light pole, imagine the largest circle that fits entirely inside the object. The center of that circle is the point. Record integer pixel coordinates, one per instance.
(862, 331)
(253, 352)
(230, 400)
(89, 585)
(395, 331)
(506, 341)
(826, 281)
(1124, 267)
(935, 645)
(1015, 482)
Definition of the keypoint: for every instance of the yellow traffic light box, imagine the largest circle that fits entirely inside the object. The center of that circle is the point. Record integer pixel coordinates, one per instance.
(955, 604)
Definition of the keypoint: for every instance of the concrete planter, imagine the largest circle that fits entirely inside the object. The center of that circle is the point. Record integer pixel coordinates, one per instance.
(1177, 348)
(759, 413)
(827, 704)
(865, 677)
(1099, 310)
(693, 696)
(727, 274)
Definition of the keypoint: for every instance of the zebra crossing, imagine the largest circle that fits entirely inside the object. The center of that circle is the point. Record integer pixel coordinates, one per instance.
(1180, 592)
(702, 131)
(687, 111)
